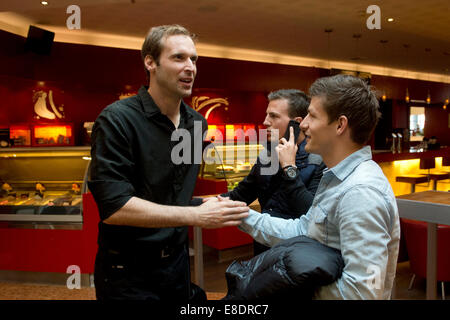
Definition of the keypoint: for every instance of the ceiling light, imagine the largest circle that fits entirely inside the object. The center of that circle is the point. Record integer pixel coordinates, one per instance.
(44, 3)
(391, 19)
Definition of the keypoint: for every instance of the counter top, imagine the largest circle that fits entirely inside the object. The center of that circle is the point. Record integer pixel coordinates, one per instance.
(388, 156)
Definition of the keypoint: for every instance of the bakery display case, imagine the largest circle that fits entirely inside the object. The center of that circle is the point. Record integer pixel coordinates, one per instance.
(230, 153)
(229, 162)
(43, 186)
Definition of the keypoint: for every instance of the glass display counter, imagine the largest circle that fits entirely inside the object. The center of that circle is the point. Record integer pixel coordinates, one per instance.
(43, 186)
(230, 162)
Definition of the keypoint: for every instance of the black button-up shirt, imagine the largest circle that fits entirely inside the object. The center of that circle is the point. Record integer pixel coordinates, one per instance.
(132, 156)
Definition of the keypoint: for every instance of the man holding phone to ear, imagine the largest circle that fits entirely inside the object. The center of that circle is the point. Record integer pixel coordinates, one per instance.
(289, 193)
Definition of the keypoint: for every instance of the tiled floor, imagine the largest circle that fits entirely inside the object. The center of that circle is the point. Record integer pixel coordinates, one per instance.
(215, 284)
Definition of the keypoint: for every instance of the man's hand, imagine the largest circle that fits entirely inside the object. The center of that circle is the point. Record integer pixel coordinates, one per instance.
(220, 212)
(215, 198)
(287, 150)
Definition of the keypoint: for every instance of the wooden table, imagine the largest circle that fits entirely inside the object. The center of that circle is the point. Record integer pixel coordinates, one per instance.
(432, 207)
(198, 247)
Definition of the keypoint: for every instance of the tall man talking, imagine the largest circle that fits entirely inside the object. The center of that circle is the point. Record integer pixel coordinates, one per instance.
(143, 197)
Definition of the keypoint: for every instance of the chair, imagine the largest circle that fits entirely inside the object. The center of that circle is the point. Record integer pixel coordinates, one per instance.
(416, 244)
(413, 179)
(436, 176)
(427, 163)
(430, 163)
(445, 161)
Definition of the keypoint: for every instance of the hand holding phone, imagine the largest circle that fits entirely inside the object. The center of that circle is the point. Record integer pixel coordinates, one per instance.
(296, 125)
(287, 151)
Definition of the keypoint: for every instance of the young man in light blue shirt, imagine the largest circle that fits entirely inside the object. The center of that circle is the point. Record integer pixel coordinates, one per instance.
(354, 209)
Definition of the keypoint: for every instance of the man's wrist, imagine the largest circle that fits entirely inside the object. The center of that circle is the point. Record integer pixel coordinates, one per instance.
(190, 216)
(290, 172)
(288, 166)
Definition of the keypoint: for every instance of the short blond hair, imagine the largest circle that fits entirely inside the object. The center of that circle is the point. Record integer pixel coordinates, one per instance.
(153, 43)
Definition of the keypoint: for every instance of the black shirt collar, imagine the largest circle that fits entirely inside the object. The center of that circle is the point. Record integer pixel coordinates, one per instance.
(151, 108)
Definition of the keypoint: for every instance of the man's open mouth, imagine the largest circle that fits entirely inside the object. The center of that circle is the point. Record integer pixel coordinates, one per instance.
(187, 80)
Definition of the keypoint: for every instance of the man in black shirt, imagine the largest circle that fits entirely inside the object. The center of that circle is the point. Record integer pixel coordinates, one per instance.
(143, 195)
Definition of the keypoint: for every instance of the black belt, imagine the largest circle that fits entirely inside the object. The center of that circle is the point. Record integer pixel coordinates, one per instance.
(145, 253)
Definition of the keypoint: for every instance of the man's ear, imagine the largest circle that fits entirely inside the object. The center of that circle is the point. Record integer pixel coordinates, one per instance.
(150, 63)
(298, 119)
(342, 124)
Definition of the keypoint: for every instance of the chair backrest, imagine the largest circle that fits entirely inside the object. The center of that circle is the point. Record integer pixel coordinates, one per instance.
(416, 244)
(446, 161)
(427, 163)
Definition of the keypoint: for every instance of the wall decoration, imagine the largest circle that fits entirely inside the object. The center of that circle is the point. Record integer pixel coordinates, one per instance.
(199, 102)
(40, 106)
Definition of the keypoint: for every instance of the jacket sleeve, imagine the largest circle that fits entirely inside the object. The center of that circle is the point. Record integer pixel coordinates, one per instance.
(269, 230)
(299, 196)
(247, 190)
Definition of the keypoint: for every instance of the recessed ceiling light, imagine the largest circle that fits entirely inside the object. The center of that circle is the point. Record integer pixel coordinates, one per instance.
(391, 19)
(44, 3)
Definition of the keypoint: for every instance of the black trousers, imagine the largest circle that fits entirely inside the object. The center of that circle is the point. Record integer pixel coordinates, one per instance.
(144, 276)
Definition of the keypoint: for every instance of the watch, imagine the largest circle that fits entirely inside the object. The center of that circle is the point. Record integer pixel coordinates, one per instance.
(290, 172)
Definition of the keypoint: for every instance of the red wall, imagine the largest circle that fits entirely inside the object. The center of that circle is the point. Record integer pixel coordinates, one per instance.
(87, 78)
(437, 123)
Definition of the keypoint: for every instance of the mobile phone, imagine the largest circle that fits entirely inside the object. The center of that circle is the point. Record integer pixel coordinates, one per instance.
(296, 126)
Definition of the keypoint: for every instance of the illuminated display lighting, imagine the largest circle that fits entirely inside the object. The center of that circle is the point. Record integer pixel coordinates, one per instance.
(52, 131)
(405, 166)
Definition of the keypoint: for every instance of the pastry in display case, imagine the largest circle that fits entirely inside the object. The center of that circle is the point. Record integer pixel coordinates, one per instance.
(43, 185)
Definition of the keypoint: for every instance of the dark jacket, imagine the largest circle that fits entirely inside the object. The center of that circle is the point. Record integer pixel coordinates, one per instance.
(280, 197)
(291, 270)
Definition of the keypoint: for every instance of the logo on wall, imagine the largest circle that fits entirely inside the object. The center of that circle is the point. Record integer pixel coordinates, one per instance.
(201, 102)
(126, 95)
(40, 106)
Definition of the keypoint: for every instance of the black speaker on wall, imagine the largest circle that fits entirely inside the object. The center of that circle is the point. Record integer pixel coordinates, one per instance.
(39, 40)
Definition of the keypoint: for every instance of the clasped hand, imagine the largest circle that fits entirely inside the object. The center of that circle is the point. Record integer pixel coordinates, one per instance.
(218, 212)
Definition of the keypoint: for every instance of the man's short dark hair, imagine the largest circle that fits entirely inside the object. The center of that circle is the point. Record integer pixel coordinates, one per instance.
(153, 43)
(352, 97)
(298, 101)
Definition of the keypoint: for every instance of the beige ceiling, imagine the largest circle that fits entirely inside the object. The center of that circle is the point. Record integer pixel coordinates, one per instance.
(290, 27)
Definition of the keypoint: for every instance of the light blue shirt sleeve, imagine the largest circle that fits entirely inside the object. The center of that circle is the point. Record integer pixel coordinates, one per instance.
(364, 236)
(270, 230)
